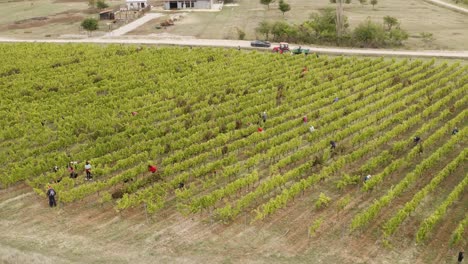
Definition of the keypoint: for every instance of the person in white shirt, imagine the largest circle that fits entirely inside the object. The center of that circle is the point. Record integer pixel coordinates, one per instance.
(88, 170)
(367, 178)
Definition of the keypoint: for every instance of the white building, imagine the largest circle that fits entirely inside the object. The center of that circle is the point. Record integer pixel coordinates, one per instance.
(137, 4)
(188, 4)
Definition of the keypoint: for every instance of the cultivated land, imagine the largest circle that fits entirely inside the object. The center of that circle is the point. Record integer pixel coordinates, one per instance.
(249, 196)
(20, 20)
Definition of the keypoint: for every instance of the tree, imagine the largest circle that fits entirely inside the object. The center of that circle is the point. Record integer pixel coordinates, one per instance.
(369, 34)
(362, 2)
(282, 31)
(90, 24)
(267, 2)
(396, 36)
(390, 22)
(373, 3)
(101, 4)
(264, 28)
(324, 24)
(284, 7)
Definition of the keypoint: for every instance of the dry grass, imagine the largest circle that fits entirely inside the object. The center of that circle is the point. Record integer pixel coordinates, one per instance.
(448, 27)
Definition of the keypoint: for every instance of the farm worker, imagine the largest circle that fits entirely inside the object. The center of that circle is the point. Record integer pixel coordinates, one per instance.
(56, 168)
(416, 139)
(88, 170)
(260, 129)
(311, 129)
(367, 178)
(305, 69)
(304, 119)
(181, 185)
(335, 100)
(264, 116)
(134, 113)
(460, 257)
(51, 194)
(152, 168)
(455, 131)
(332, 144)
(72, 171)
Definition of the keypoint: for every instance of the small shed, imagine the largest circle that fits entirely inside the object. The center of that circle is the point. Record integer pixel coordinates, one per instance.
(107, 14)
(137, 4)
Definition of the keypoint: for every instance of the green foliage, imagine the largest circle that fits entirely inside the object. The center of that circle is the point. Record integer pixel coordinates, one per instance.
(90, 24)
(284, 7)
(396, 36)
(369, 34)
(240, 34)
(323, 24)
(180, 117)
(458, 233)
(322, 201)
(282, 31)
(264, 28)
(427, 37)
(390, 22)
(105, 197)
(267, 2)
(343, 202)
(346, 180)
(315, 226)
(101, 4)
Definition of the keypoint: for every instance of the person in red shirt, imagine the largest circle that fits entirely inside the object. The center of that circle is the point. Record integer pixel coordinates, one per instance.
(260, 129)
(304, 119)
(152, 168)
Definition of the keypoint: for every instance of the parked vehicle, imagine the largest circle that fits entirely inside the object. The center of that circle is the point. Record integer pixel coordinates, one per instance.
(260, 43)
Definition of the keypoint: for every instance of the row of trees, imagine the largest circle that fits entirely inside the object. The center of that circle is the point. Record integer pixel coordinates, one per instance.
(321, 29)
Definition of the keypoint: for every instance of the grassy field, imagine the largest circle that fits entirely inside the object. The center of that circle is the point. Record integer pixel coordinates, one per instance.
(448, 27)
(250, 195)
(41, 18)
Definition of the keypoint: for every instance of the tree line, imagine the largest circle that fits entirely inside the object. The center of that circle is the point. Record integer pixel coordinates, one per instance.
(321, 28)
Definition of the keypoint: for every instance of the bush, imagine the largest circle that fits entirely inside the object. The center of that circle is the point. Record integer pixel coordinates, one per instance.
(322, 201)
(241, 34)
(369, 34)
(90, 24)
(101, 4)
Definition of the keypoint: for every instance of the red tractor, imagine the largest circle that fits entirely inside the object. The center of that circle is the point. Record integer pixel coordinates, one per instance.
(283, 47)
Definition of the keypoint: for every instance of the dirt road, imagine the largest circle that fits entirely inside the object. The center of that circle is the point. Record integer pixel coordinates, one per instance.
(246, 44)
(449, 6)
(133, 25)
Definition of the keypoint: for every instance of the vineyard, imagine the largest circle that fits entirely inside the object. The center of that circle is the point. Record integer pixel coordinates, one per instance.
(196, 114)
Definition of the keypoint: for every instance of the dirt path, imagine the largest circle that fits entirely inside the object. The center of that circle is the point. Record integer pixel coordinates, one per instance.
(133, 25)
(449, 6)
(246, 44)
